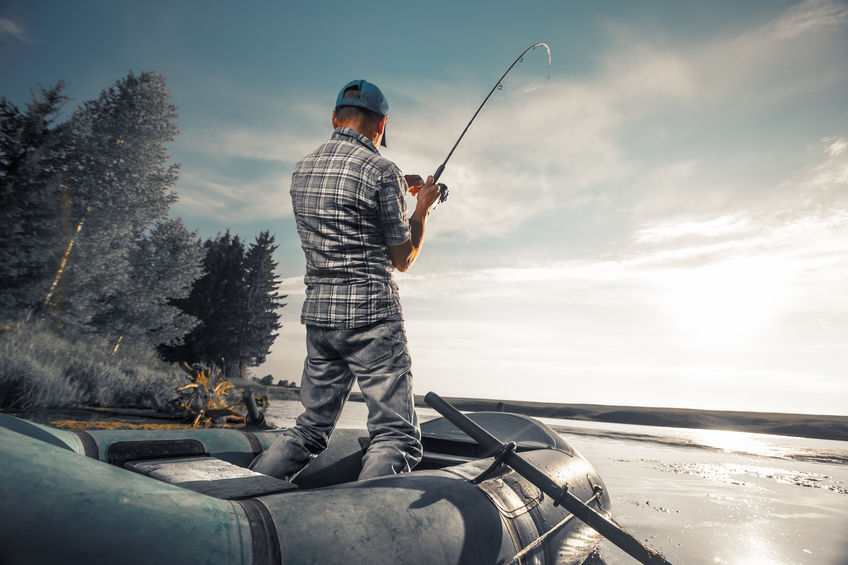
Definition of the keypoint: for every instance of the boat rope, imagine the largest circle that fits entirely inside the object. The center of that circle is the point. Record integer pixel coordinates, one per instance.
(541, 539)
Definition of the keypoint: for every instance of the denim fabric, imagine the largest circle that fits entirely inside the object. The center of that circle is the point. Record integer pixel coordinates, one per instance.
(377, 358)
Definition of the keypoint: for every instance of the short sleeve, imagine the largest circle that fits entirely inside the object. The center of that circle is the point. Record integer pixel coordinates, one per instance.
(391, 205)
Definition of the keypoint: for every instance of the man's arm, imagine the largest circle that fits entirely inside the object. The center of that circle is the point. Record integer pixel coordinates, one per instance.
(404, 254)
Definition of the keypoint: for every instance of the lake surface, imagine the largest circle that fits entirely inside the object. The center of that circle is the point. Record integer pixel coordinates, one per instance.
(703, 496)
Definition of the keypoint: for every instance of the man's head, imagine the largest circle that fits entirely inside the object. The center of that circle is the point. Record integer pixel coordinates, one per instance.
(362, 106)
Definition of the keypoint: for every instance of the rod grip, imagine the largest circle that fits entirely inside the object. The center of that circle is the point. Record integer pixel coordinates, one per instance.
(438, 172)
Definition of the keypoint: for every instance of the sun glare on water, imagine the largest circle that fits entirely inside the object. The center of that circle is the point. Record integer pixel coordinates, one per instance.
(736, 442)
(755, 551)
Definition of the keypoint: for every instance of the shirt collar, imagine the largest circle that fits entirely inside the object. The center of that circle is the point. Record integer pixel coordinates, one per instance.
(349, 134)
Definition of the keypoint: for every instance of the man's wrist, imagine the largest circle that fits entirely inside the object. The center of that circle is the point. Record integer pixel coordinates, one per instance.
(420, 214)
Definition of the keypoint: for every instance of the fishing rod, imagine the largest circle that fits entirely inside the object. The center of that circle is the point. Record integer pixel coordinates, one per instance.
(498, 86)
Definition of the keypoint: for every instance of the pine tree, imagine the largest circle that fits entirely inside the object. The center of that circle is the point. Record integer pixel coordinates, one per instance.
(217, 299)
(261, 318)
(237, 302)
(33, 229)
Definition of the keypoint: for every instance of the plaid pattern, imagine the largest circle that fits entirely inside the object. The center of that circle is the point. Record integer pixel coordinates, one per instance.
(349, 205)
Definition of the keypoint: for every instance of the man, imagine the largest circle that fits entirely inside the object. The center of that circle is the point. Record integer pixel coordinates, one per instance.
(352, 220)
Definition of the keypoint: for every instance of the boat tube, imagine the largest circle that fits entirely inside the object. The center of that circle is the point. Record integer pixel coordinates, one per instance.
(186, 496)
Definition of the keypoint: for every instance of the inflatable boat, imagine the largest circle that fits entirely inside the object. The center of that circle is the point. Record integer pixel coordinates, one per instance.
(186, 496)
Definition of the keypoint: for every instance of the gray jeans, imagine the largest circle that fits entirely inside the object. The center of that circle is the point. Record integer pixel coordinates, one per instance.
(377, 358)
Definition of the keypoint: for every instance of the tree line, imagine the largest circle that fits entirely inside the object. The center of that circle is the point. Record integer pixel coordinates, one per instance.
(85, 237)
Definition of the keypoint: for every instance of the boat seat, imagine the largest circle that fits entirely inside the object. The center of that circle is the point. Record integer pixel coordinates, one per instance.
(210, 476)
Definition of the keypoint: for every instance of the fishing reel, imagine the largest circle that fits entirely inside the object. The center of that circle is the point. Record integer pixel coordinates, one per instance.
(443, 191)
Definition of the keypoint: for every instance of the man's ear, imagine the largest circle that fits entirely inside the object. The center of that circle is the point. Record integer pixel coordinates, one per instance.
(381, 125)
(335, 120)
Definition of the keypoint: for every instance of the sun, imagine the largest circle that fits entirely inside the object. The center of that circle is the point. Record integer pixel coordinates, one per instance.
(727, 301)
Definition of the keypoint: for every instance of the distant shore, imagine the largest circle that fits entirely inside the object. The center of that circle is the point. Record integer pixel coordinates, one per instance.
(829, 427)
(776, 423)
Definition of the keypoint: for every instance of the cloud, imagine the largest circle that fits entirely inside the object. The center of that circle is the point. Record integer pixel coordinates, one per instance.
(577, 145)
(720, 306)
(530, 151)
(798, 253)
(724, 254)
(826, 184)
(799, 52)
(572, 145)
(709, 228)
(8, 27)
(232, 200)
(294, 288)
(273, 142)
(809, 17)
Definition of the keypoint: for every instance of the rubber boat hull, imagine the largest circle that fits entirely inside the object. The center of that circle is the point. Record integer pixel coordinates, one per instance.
(69, 497)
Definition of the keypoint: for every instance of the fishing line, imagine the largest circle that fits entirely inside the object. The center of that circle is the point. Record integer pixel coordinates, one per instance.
(498, 86)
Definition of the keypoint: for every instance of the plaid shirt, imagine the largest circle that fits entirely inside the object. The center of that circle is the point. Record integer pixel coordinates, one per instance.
(349, 206)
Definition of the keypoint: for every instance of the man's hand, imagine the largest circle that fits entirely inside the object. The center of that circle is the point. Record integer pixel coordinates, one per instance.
(414, 182)
(427, 195)
(403, 255)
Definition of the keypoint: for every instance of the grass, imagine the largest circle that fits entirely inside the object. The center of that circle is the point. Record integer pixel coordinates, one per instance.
(272, 392)
(45, 368)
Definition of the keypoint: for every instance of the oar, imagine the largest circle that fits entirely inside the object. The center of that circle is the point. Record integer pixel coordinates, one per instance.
(559, 494)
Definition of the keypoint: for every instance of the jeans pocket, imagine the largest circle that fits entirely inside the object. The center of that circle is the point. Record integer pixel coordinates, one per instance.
(373, 345)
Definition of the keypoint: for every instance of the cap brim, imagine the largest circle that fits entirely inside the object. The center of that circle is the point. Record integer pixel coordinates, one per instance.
(383, 141)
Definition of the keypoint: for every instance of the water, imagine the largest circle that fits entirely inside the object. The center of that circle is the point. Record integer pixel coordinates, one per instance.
(704, 496)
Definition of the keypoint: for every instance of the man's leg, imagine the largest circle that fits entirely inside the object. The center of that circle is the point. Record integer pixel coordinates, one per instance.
(379, 358)
(324, 388)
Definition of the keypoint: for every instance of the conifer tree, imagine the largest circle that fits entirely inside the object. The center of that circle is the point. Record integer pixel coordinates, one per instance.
(217, 300)
(237, 302)
(261, 311)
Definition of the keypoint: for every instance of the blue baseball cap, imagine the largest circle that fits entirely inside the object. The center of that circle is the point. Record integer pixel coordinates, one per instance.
(370, 98)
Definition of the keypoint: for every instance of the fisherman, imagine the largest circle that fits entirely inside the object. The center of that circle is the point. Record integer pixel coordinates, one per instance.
(351, 216)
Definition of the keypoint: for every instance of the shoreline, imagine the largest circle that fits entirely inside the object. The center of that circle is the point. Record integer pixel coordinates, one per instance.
(826, 427)
(774, 423)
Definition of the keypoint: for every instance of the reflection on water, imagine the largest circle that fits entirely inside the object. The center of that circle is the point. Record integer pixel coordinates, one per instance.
(755, 551)
(737, 442)
(722, 497)
(762, 445)
(735, 474)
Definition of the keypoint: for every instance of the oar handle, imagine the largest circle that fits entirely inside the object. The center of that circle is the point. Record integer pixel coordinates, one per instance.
(558, 494)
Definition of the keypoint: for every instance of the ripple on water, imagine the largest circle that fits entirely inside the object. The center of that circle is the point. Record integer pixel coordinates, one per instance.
(740, 475)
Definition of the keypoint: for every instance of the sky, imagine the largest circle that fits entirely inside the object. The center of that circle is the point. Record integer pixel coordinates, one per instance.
(663, 221)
